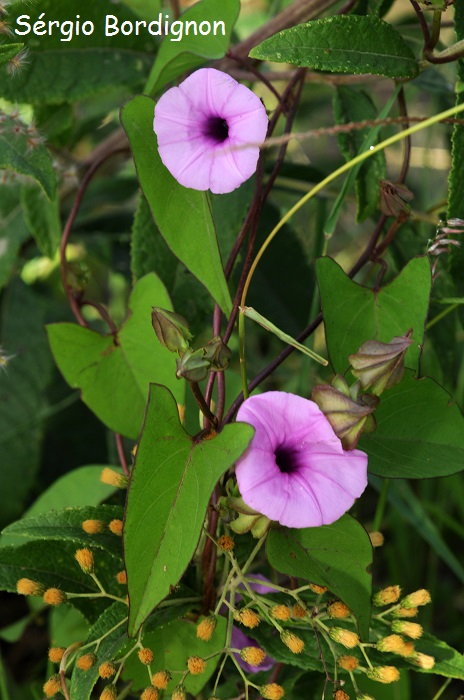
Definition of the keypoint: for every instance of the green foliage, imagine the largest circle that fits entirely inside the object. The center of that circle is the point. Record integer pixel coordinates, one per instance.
(351, 106)
(175, 58)
(419, 434)
(13, 231)
(114, 375)
(171, 483)
(337, 556)
(182, 215)
(309, 659)
(43, 218)
(8, 52)
(354, 314)
(343, 44)
(456, 175)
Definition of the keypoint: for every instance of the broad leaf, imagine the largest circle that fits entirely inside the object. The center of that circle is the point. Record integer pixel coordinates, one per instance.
(343, 44)
(309, 658)
(171, 483)
(176, 56)
(42, 218)
(13, 231)
(114, 377)
(182, 215)
(337, 556)
(8, 52)
(354, 314)
(419, 434)
(66, 524)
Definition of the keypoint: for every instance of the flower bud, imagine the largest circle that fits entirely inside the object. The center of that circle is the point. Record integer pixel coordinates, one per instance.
(341, 695)
(161, 679)
(92, 527)
(116, 526)
(107, 669)
(53, 596)
(84, 558)
(405, 612)
(193, 365)
(338, 610)
(320, 590)
(383, 674)
(420, 597)
(217, 352)
(171, 329)
(298, 612)
(387, 596)
(25, 586)
(179, 693)
(410, 629)
(86, 661)
(280, 612)
(249, 618)
(196, 665)
(226, 543)
(272, 691)
(253, 655)
(206, 628)
(376, 538)
(150, 694)
(52, 686)
(145, 655)
(292, 641)
(348, 663)
(55, 654)
(379, 366)
(121, 577)
(393, 644)
(112, 478)
(394, 198)
(109, 693)
(422, 660)
(349, 416)
(345, 637)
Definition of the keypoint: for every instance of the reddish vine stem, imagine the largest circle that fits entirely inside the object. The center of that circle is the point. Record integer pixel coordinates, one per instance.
(64, 687)
(121, 455)
(248, 65)
(423, 23)
(407, 141)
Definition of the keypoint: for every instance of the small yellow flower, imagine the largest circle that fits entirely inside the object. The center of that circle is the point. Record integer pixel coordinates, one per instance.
(405, 612)
(272, 691)
(410, 629)
(387, 596)
(413, 600)
(92, 527)
(338, 610)
(179, 693)
(422, 660)
(249, 618)
(280, 612)
(341, 695)
(25, 586)
(345, 637)
(84, 558)
(145, 655)
(348, 663)
(121, 577)
(383, 674)
(116, 527)
(253, 655)
(109, 693)
(393, 644)
(55, 654)
(53, 596)
(86, 661)
(112, 478)
(226, 543)
(52, 686)
(298, 612)
(317, 589)
(161, 679)
(294, 643)
(206, 628)
(196, 665)
(376, 538)
(149, 694)
(107, 669)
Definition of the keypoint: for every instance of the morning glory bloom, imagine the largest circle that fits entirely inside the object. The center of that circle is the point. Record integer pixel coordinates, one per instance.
(203, 128)
(295, 470)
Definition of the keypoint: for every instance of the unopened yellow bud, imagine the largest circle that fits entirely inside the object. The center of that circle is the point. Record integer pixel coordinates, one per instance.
(53, 596)
(272, 691)
(294, 643)
(405, 612)
(348, 663)
(317, 589)
(109, 693)
(407, 649)
(226, 543)
(86, 661)
(298, 612)
(179, 693)
(377, 539)
(112, 478)
(55, 654)
(84, 558)
(341, 695)
(116, 527)
(92, 527)
(387, 596)
(345, 637)
(383, 674)
(422, 660)
(145, 655)
(253, 655)
(393, 644)
(121, 577)
(410, 629)
(248, 618)
(338, 610)
(149, 694)
(161, 679)
(196, 665)
(206, 628)
(52, 686)
(420, 597)
(107, 669)
(25, 586)
(280, 612)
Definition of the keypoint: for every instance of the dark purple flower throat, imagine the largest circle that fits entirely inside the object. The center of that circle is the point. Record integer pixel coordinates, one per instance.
(217, 129)
(284, 460)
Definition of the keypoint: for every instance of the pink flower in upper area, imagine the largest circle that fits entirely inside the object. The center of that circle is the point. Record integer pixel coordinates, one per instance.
(203, 128)
(295, 470)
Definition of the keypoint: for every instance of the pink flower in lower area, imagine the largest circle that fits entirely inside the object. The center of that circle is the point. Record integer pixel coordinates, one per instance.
(295, 470)
(203, 128)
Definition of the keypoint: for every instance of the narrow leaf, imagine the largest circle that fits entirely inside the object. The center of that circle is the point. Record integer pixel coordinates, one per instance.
(171, 483)
(43, 218)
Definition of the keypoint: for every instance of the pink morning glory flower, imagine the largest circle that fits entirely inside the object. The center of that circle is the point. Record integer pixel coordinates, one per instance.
(203, 128)
(295, 470)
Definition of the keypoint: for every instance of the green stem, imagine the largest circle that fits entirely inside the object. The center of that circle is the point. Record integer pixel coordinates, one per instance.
(309, 195)
(381, 503)
(436, 26)
(441, 315)
(440, 692)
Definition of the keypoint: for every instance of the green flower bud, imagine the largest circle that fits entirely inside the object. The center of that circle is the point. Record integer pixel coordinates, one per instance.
(217, 353)
(171, 329)
(193, 365)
